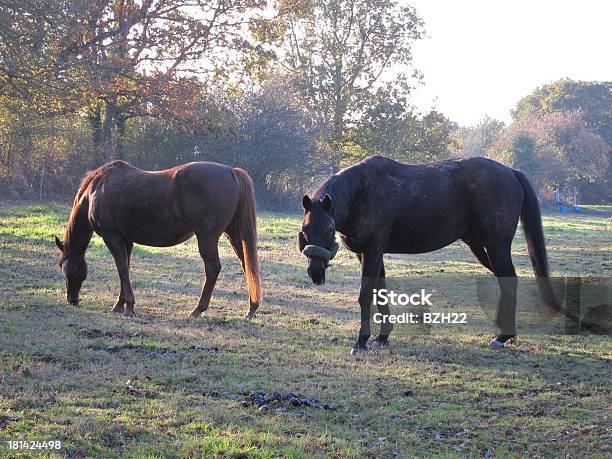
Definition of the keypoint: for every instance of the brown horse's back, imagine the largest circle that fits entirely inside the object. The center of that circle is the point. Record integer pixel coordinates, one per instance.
(162, 208)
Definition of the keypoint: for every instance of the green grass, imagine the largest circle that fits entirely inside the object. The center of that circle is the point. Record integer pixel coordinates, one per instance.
(111, 386)
(601, 208)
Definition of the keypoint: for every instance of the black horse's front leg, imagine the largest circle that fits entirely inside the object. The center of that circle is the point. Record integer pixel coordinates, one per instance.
(382, 340)
(371, 263)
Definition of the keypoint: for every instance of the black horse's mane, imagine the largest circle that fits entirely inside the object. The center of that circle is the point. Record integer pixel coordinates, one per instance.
(344, 184)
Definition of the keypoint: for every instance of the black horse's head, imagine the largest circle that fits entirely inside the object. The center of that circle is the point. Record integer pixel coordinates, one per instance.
(317, 238)
(74, 272)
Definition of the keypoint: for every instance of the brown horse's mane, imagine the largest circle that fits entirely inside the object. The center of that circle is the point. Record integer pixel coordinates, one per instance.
(91, 178)
(95, 176)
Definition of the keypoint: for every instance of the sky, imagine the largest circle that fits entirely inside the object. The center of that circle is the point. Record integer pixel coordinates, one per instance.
(480, 57)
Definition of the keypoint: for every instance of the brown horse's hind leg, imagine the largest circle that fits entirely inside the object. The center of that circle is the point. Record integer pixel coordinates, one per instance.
(121, 251)
(237, 245)
(212, 266)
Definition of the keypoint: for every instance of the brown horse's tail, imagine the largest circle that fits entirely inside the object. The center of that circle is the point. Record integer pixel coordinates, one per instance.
(532, 227)
(245, 222)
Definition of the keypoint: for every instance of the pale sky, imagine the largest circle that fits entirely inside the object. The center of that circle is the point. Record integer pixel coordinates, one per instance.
(481, 57)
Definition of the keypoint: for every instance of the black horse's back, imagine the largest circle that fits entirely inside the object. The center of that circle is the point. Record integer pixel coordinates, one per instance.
(424, 207)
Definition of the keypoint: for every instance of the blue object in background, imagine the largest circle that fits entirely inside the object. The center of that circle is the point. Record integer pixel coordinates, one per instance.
(577, 209)
(563, 209)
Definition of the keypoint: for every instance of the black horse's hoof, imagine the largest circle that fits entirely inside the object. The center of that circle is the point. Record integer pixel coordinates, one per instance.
(495, 344)
(379, 344)
(357, 350)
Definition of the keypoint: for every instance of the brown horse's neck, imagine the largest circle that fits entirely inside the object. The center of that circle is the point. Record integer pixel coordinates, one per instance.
(79, 231)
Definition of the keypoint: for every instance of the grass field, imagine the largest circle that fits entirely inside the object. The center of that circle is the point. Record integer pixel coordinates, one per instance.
(160, 385)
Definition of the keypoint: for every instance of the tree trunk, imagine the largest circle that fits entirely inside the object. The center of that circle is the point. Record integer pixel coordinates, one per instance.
(97, 136)
(107, 131)
(119, 152)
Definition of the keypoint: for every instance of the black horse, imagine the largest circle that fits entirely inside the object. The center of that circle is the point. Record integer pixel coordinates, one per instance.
(381, 206)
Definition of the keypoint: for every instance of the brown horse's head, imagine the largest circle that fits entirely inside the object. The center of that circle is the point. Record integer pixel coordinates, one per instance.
(317, 238)
(74, 272)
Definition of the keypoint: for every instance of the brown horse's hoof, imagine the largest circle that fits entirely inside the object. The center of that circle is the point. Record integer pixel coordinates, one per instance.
(250, 315)
(195, 314)
(129, 313)
(118, 309)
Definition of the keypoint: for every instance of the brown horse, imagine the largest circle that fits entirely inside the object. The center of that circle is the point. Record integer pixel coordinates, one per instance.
(125, 205)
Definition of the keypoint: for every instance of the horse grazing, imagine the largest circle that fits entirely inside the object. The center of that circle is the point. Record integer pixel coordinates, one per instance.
(125, 205)
(381, 206)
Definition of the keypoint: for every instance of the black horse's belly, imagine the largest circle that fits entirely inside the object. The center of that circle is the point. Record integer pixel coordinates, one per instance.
(422, 245)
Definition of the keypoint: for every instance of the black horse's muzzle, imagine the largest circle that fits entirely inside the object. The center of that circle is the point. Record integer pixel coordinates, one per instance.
(314, 251)
(319, 258)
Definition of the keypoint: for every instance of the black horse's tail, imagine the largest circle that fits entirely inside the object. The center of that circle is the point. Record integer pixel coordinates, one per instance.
(532, 227)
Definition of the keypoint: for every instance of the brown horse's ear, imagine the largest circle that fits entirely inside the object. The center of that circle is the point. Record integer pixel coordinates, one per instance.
(306, 202)
(326, 203)
(59, 244)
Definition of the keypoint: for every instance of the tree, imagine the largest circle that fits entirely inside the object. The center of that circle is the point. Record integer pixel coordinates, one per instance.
(116, 59)
(477, 140)
(274, 138)
(554, 150)
(338, 51)
(390, 126)
(592, 98)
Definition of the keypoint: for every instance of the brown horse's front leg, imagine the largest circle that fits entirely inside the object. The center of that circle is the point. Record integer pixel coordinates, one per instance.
(121, 250)
(212, 267)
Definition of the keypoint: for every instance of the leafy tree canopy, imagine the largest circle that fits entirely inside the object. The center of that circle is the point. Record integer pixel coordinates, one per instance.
(592, 98)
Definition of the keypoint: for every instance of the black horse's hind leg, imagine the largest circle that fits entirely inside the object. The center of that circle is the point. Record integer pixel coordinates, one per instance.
(121, 251)
(129, 247)
(212, 266)
(505, 319)
(371, 262)
(478, 250)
